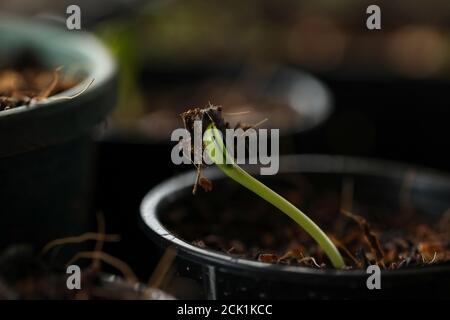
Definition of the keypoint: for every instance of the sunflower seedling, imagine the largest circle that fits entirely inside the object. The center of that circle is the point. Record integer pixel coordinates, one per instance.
(215, 148)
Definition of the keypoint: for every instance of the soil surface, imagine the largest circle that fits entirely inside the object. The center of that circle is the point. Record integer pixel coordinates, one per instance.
(234, 221)
(25, 86)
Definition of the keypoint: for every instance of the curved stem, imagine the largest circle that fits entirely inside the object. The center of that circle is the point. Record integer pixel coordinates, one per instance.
(216, 150)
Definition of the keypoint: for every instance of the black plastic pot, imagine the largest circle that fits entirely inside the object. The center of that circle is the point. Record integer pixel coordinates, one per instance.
(377, 184)
(143, 160)
(46, 149)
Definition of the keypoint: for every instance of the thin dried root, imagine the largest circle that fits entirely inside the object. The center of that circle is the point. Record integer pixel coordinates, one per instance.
(120, 265)
(75, 95)
(162, 268)
(291, 254)
(43, 99)
(47, 92)
(256, 125)
(81, 238)
(310, 259)
(96, 263)
(340, 245)
(240, 113)
(371, 238)
(431, 260)
(245, 127)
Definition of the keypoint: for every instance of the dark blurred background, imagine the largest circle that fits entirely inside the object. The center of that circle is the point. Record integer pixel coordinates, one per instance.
(388, 88)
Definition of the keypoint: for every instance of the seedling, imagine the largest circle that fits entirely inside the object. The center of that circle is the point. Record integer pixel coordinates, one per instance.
(216, 150)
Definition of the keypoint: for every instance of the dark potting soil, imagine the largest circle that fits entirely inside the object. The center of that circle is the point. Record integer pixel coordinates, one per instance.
(243, 225)
(31, 85)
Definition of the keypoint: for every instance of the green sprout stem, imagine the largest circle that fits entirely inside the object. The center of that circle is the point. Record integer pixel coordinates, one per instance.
(216, 150)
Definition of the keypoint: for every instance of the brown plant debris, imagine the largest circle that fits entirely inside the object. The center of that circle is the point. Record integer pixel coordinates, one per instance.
(31, 86)
(370, 237)
(210, 114)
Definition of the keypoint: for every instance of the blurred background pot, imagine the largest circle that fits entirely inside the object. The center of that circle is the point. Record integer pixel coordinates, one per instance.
(46, 150)
(377, 188)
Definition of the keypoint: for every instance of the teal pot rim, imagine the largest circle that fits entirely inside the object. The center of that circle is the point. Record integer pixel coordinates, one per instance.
(30, 127)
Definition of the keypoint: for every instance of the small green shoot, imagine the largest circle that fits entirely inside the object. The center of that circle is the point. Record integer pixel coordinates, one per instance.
(215, 148)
